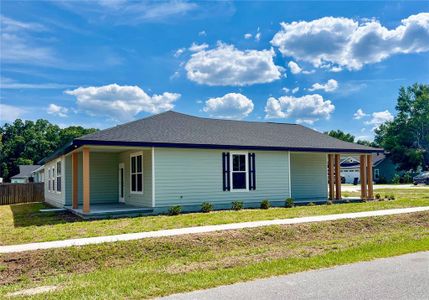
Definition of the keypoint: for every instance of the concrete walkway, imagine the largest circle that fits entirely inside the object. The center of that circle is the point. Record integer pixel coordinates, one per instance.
(356, 188)
(203, 229)
(401, 277)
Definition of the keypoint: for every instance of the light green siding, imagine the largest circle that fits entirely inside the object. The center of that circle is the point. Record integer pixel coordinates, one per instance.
(144, 199)
(309, 176)
(193, 176)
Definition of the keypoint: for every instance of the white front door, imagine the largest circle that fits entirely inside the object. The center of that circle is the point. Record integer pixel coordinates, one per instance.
(121, 182)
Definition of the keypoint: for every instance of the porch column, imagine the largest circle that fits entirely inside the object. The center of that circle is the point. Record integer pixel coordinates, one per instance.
(75, 201)
(337, 177)
(331, 176)
(363, 193)
(369, 176)
(85, 179)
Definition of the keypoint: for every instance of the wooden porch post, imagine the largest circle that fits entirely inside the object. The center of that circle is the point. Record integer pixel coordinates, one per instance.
(337, 177)
(75, 202)
(363, 193)
(85, 177)
(331, 176)
(369, 176)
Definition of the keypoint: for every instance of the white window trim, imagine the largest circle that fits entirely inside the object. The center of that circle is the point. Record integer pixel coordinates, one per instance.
(49, 179)
(54, 181)
(135, 154)
(231, 154)
(61, 177)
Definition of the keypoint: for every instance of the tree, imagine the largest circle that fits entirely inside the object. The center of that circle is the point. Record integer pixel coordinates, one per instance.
(341, 135)
(27, 142)
(406, 138)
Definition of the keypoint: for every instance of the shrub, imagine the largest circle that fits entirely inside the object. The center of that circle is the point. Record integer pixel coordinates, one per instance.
(329, 202)
(392, 197)
(377, 196)
(311, 204)
(237, 205)
(206, 207)
(289, 202)
(407, 178)
(175, 210)
(396, 179)
(265, 204)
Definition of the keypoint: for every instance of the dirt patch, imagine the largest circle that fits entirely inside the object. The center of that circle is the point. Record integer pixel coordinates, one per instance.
(33, 291)
(210, 250)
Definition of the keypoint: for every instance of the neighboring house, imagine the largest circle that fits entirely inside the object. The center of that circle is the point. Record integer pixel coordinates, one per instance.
(383, 168)
(172, 159)
(39, 174)
(25, 174)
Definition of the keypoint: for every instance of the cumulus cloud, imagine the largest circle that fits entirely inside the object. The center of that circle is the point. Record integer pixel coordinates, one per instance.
(337, 43)
(248, 36)
(295, 90)
(230, 106)
(359, 114)
(9, 113)
(121, 103)
(258, 36)
(329, 86)
(294, 67)
(378, 118)
(179, 52)
(225, 65)
(58, 110)
(202, 33)
(198, 47)
(306, 109)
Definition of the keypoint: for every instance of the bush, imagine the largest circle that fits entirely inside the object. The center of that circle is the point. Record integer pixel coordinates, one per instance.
(175, 210)
(237, 205)
(396, 179)
(265, 204)
(206, 207)
(329, 202)
(407, 178)
(391, 197)
(289, 202)
(311, 204)
(377, 196)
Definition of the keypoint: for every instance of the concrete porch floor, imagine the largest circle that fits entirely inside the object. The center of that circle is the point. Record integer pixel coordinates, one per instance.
(104, 210)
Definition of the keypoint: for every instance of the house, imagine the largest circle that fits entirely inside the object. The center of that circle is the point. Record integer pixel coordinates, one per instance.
(25, 174)
(39, 174)
(168, 159)
(383, 168)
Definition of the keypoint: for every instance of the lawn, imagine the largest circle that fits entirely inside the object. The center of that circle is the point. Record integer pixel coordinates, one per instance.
(157, 267)
(24, 223)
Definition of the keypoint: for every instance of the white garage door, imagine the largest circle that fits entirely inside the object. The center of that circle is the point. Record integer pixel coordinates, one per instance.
(350, 175)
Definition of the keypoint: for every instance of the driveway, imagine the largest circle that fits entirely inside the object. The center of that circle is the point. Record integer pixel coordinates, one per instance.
(401, 277)
(356, 188)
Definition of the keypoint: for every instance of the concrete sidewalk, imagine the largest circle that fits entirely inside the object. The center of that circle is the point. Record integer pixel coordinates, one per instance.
(400, 277)
(203, 229)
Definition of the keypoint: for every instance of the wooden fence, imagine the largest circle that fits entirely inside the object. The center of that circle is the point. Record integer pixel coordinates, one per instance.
(12, 193)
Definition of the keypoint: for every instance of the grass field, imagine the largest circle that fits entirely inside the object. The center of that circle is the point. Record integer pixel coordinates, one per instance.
(156, 267)
(24, 223)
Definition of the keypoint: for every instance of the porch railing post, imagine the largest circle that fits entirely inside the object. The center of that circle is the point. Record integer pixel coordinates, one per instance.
(75, 200)
(85, 177)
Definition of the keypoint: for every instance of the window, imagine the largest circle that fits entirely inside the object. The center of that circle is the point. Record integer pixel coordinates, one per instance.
(49, 180)
(239, 171)
(136, 173)
(376, 173)
(59, 176)
(53, 179)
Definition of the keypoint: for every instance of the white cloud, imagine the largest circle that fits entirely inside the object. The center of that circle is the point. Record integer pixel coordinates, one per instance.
(295, 90)
(230, 106)
(359, 114)
(196, 48)
(226, 65)
(286, 90)
(7, 83)
(121, 102)
(9, 113)
(258, 37)
(329, 86)
(58, 110)
(294, 67)
(341, 42)
(202, 33)
(179, 52)
(306, 109)
(248, 36)
(378, 118)
(11, 25)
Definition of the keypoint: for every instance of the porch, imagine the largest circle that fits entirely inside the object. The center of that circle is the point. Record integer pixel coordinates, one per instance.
(112, 210)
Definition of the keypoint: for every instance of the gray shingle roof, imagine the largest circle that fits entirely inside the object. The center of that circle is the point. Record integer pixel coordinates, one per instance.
(25, 171)
(177, 129)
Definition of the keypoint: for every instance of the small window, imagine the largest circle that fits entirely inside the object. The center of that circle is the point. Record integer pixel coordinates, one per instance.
(49, 180)
(376, 173)
(59, 176)
(53, 179)
(239, 171)
(136, 174)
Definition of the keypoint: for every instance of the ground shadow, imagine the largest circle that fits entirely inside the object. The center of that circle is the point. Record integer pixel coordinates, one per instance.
(29, 214)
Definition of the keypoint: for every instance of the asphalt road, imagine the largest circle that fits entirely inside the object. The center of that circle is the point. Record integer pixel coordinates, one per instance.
(401, 277)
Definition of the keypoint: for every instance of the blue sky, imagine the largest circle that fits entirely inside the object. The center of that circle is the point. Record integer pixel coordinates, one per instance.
(327, 65)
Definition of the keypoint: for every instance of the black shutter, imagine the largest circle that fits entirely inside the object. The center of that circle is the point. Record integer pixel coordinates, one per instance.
(226, 171)
(252, 172)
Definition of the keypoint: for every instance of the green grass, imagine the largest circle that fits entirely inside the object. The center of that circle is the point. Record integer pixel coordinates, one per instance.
(24, 223)
(157, 267)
